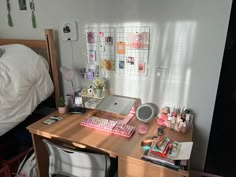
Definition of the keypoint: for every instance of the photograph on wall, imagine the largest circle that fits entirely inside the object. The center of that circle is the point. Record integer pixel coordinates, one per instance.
(141, 67)
(138, 40)
(130, 60)
(92, 56)
(120, 47)
(22, 4)
(121, 64)
(107, 64)
(109, 40)
(90, 37)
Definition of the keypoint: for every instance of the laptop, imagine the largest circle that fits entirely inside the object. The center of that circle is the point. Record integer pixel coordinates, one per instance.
(116, 104)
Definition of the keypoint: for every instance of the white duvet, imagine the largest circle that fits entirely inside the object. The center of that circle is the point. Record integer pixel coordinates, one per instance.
(24, 83)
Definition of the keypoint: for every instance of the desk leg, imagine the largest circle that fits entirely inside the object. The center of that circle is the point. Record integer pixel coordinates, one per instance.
(41, 155)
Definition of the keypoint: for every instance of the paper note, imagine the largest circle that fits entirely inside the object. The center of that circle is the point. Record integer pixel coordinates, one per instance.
(184, 152)
(120, 47)
(90, 37)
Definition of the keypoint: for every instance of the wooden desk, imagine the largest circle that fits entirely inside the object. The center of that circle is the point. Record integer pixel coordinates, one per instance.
(127, 150)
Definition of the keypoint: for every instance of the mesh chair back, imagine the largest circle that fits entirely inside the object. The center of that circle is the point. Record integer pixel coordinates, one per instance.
(64, 161)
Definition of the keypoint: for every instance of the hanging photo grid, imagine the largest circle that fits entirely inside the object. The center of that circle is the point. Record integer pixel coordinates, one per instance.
(132, 49)
(100, 47)
(121, 49)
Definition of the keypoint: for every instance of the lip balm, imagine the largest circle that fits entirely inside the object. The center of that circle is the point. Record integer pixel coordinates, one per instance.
(142, 129)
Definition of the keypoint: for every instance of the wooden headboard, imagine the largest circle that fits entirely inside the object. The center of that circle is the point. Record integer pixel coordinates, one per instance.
(48, 44)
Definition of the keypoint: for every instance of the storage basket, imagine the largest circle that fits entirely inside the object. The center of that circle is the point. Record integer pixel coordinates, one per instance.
(14, 162)
(4, 171)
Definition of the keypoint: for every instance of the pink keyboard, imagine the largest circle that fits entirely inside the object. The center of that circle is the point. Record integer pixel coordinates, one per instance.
(108, 125)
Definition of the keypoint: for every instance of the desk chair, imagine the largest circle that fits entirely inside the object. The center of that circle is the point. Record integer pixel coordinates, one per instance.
(66, 162)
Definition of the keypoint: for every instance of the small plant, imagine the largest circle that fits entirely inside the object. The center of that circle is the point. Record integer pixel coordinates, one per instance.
(98, 83)
(61, 102)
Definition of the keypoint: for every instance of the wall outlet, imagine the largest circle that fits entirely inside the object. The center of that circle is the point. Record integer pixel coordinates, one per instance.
(160, 72)
(69, 31)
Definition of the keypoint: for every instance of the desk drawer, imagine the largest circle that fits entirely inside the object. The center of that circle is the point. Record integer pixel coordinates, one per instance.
(130, 167)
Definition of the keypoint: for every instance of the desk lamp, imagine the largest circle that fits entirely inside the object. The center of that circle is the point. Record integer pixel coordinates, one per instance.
(69, 75)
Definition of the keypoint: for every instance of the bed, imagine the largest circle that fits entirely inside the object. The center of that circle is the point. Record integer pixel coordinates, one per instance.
(29, 86)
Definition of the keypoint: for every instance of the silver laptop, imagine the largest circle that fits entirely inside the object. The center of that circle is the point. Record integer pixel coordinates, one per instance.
(116, 104)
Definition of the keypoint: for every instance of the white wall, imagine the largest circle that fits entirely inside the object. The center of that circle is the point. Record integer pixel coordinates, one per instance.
(187, 36)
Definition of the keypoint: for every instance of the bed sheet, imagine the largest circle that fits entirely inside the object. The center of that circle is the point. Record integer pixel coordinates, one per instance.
(24, 83)
(19, 138)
